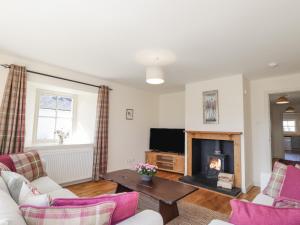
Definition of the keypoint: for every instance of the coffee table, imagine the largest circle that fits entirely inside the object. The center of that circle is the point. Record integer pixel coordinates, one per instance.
(162, 192)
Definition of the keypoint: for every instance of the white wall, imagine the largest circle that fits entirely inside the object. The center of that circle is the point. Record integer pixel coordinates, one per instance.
(172, 110)
(260, 118)
(128, 139)
(231, 111)
(230, 92)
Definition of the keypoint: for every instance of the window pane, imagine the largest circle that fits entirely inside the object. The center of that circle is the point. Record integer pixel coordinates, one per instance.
(285, 123)
(46, 128)
(65, 114)
(292, 129)
(48, 102)
(47, 112)
(64, 103)
(291, 123)
(64, 124)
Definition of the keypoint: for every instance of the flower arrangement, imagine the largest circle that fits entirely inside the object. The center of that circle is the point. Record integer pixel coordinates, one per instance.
(61, 135)
(146, 169)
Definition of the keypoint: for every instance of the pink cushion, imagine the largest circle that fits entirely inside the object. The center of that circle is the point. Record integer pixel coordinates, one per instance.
(99, 214)
(6, 160)
(282, 202)
(275, 183)
(127, 204)
(247, 213)
(291, 185)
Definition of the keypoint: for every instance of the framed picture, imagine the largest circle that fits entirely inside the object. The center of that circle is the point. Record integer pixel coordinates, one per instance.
(210, 107)
(129, 114)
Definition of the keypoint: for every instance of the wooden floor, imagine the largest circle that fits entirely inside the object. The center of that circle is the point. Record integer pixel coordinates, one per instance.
(202, 197)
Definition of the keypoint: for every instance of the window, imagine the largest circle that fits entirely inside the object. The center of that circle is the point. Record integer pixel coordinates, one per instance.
(54, 111)
(289, 125)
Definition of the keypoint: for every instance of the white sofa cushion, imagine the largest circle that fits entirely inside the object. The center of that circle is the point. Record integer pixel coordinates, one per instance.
(14, 182)
(263, 200)
(4, 222)
(3, 186)
(146, 217)
(30, 196)
(9, 210)
(62, 193)
(45, 185)
(219, 222)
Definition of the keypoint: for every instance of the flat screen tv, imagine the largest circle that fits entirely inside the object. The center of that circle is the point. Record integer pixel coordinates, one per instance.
(167, 140)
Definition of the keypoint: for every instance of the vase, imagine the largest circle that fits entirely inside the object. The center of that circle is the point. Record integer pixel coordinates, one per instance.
(60, 140)
(146, 178)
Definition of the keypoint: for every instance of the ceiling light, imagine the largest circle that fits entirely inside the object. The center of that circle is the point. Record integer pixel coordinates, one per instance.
(282, 100)
(154, 75)
(290, 109)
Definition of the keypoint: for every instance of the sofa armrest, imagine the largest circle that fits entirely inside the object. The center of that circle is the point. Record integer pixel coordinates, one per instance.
(44, 164)
(219, 222)
(146, 217)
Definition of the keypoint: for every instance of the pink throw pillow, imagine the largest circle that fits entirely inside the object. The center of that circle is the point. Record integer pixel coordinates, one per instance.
(282, 202)
(6, 160)
(99, 214)
(275, 183)
(127, 204)
(247, 213)
(291, 185)
(297, 166)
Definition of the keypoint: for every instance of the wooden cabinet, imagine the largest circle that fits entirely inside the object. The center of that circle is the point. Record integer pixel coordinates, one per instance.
(166, 161)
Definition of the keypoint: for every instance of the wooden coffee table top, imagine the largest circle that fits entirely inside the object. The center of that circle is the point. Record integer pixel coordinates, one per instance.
(159, 188)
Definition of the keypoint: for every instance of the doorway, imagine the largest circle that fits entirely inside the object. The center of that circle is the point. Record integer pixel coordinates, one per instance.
(285, 126)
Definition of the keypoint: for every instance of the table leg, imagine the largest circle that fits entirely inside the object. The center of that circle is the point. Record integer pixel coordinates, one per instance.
(121, 188)
(168, 212)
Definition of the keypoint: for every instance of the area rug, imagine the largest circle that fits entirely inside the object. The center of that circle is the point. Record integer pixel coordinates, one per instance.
(191, 214)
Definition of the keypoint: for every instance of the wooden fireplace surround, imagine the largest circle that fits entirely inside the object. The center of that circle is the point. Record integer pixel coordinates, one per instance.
(224, 136)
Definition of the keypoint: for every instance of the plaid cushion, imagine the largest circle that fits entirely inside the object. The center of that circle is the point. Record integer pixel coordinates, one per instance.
(99, 214)
(29, 165)
(275, 183)
(286, 203)
(3, 167)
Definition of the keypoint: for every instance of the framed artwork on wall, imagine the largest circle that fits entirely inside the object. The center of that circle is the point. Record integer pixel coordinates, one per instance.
(210, 107)
(129, 114)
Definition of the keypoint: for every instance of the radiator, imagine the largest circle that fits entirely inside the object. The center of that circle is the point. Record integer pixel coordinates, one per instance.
(70, 164)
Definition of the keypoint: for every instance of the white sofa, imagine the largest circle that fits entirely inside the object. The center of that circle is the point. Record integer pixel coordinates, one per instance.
(9, 210)
(259, 199)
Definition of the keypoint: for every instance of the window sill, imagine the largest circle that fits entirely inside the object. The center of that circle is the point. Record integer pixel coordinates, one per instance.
(58, 147)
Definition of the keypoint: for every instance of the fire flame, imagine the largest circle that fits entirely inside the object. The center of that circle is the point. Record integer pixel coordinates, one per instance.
(215, 164)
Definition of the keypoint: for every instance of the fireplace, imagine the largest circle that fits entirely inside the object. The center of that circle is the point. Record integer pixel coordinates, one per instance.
(210, 153)
(210, 157)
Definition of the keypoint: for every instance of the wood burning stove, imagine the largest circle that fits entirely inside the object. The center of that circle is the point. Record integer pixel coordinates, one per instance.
(215, 162)
(215, 165)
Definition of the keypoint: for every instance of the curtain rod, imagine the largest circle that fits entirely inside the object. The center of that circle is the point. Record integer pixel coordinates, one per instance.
(56, 77)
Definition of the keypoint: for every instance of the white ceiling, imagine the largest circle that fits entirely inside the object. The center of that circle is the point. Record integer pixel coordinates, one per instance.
(210, 38)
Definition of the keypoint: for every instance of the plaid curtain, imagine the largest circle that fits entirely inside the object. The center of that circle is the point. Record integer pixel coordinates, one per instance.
(101, 136)
(12, 112)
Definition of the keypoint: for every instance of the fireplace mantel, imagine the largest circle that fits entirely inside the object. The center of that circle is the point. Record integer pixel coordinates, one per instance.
(216, 135)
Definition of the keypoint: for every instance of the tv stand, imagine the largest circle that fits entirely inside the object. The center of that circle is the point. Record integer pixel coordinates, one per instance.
(166, 161)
